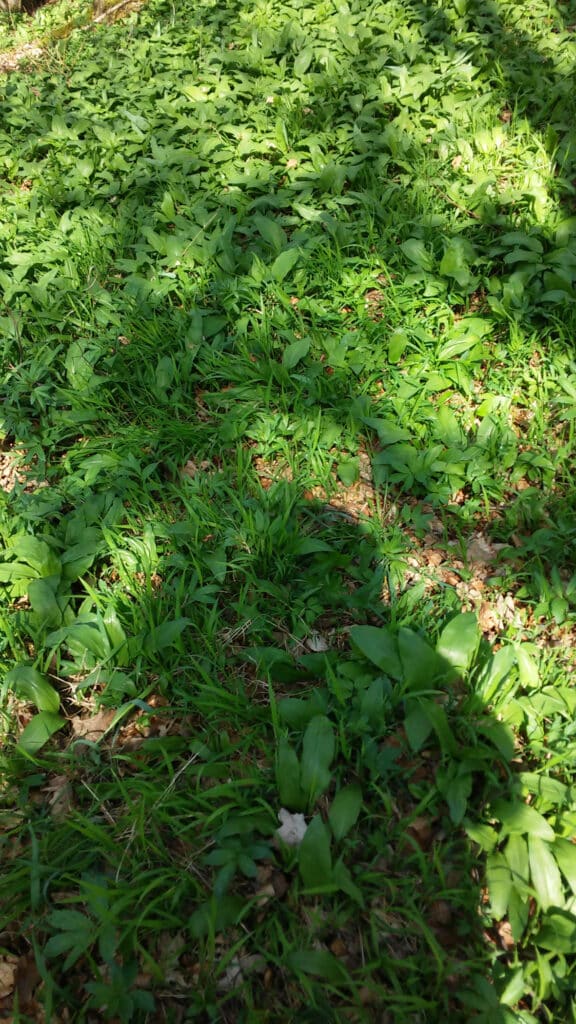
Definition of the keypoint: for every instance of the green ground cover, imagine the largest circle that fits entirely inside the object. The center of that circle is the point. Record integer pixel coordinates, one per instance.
(288, 387)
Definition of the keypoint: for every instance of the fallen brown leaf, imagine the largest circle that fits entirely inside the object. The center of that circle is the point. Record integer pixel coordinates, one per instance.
(420, 830)
(504, 930)
(94, 727)
(8, 965)
(60, 796)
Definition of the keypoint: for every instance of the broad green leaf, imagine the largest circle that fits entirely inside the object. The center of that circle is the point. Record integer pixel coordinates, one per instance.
(420, 663)
(303, 61)
(501, 736)
(295, 352)
(372, 703)
(456, 793)
(165, 635)
(565, 231)
(318, 751)
(314, 857)
(558, 932)
(500, 884)
(78, 558)
(288, 777)
(454, 262)
(44, 602)
(114, 630)
(81, 637)
(527, 667)
(70, 920)
(389, 433)
(500, 667)
(216, 915)
(284, 263)
(544, 873)
(349, 471)
(78, 365)
(30, 685)
(311, 546)
(271, 232)
(38, 732)
(516, 854)
(38, 554)
(217, 562)
(485, 836)
(514, 989)
(548, 790)
(518, 913)
(76, 935)
(565, 854)
(342, 877)
(459, 640)
(416, 251)
(441, 726)
(522, 819)
(455, 347)
(379, 646)
(297, 712)
(167, 207)
(164, 374)
(397, 343)
(418, 727)
(319, 963)
(12, 571)
(344, 810)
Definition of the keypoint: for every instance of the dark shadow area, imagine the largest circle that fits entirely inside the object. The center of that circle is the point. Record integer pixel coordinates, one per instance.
(148, 830)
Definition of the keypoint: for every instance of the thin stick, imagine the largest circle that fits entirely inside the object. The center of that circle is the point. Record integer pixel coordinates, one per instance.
(111, 10)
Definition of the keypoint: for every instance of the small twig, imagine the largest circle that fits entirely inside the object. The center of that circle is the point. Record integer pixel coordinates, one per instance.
(110, 10)
(469, 213)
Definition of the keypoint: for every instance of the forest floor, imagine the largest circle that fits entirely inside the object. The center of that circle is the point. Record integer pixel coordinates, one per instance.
(288, 570)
